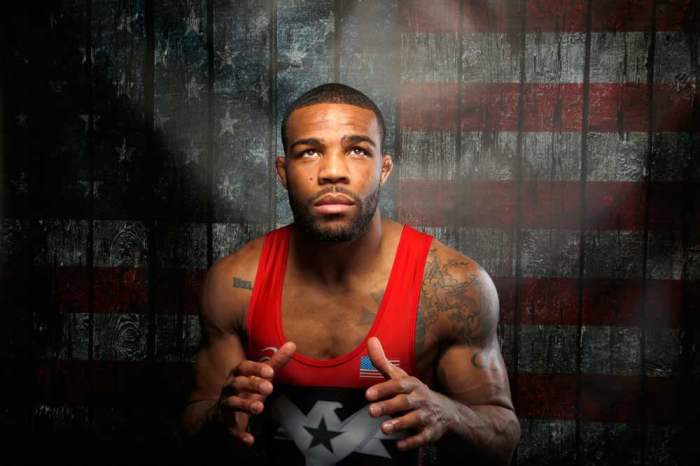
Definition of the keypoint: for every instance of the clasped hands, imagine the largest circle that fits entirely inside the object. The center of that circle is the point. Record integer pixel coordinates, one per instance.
(412, 405)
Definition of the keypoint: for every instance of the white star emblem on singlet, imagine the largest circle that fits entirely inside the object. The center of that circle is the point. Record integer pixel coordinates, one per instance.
(323, 438)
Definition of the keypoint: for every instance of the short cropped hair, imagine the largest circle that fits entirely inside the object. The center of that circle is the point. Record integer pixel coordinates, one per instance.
(334, 93)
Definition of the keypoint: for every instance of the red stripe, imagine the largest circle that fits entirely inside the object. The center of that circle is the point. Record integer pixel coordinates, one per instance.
(545, 16)
(123, 289)
(430, 15)
(604, 398)
(546, 107)
(610, 205)
(555, 301)
(180, 290)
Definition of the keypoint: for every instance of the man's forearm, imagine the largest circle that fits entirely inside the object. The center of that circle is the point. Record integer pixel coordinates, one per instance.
(491, 432)
(204, 440)
(197, 416)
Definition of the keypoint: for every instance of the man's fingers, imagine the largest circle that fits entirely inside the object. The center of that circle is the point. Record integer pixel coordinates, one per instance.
(248, 368)
(234, 404)
(267, 368)
(252, 385)
(379, 360)
(390, 388)
(423, 437)
(397, 404)
(240, 429)
(412, 420)
(245, 437)
(282, 356)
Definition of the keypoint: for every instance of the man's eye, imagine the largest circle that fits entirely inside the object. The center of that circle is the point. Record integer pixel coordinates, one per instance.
(358, 151)
(309, 153)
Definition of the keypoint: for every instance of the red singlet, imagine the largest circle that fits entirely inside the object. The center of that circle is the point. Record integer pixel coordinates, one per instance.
(318, 412)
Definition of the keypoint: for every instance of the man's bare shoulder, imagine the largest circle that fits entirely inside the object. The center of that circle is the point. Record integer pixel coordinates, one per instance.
(242, 263)
(228, 286)
(459, 300)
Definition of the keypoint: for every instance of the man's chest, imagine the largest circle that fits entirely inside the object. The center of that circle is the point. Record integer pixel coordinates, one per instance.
(326, 324)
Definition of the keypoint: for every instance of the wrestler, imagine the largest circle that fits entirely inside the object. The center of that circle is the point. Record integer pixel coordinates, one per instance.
(346, 338)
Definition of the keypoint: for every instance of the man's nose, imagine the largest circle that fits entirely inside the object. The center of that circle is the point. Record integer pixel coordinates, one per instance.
(333, 168)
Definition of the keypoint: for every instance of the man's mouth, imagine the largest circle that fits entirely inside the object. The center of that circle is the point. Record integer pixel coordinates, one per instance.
(333, 204)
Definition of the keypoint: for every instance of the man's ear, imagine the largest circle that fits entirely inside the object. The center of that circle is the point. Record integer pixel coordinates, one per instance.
(387, 166)
(281, 167)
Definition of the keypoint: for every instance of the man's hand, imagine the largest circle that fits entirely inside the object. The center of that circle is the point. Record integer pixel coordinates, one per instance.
(419, 409)
(245, 390)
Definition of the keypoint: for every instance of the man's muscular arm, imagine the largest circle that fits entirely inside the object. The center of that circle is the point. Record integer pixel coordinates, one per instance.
(469, 413)
(228, 389)
(463, 303)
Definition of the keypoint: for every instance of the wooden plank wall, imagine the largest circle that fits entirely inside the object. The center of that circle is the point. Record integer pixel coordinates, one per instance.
(554, 141)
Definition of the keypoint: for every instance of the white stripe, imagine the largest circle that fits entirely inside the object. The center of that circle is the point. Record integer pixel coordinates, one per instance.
(429, 57)
(122, 337)
(122, 244)
(549, 253)
(544, 252)
(431, 155)
(490, 57)
(555, 253)
(553, 57)
(672, 59)
(550, 57)
(228, 237)
(619, 57)
(492, 248)
(65, 243)
(428, 155)
(547, 442)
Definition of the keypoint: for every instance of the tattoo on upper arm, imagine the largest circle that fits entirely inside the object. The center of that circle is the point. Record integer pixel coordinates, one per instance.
(240, 283)
(446, 292)
(420, 329)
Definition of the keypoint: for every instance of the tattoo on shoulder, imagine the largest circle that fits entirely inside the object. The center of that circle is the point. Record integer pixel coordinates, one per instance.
(240, 283)
(366, 317)
(448, 293)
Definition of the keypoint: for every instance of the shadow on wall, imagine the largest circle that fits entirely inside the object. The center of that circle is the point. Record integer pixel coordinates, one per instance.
(77, 154)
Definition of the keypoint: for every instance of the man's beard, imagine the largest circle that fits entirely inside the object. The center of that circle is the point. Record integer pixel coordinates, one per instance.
(312, 226)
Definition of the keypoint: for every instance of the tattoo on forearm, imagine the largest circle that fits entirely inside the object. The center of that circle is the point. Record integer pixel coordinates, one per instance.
(240, 283)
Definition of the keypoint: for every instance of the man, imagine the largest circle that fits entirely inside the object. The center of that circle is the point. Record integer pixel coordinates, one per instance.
(344, 337)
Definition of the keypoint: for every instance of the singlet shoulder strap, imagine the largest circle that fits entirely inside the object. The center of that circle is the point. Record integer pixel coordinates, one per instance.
(403, 293)
(269, 276)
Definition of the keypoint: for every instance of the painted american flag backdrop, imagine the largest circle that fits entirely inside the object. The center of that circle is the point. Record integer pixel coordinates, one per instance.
(554, 141)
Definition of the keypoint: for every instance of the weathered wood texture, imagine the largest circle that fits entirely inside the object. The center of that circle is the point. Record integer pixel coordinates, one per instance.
(554, 141)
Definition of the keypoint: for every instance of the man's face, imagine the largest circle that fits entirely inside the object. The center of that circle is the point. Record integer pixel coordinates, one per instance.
(333, 169)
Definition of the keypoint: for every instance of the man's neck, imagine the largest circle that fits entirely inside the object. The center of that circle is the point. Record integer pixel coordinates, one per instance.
(336, 264)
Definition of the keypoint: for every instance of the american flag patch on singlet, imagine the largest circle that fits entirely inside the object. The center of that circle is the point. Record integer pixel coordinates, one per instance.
(368, 370)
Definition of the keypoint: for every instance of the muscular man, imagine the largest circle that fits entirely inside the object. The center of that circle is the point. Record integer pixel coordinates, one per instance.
(346, 338)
